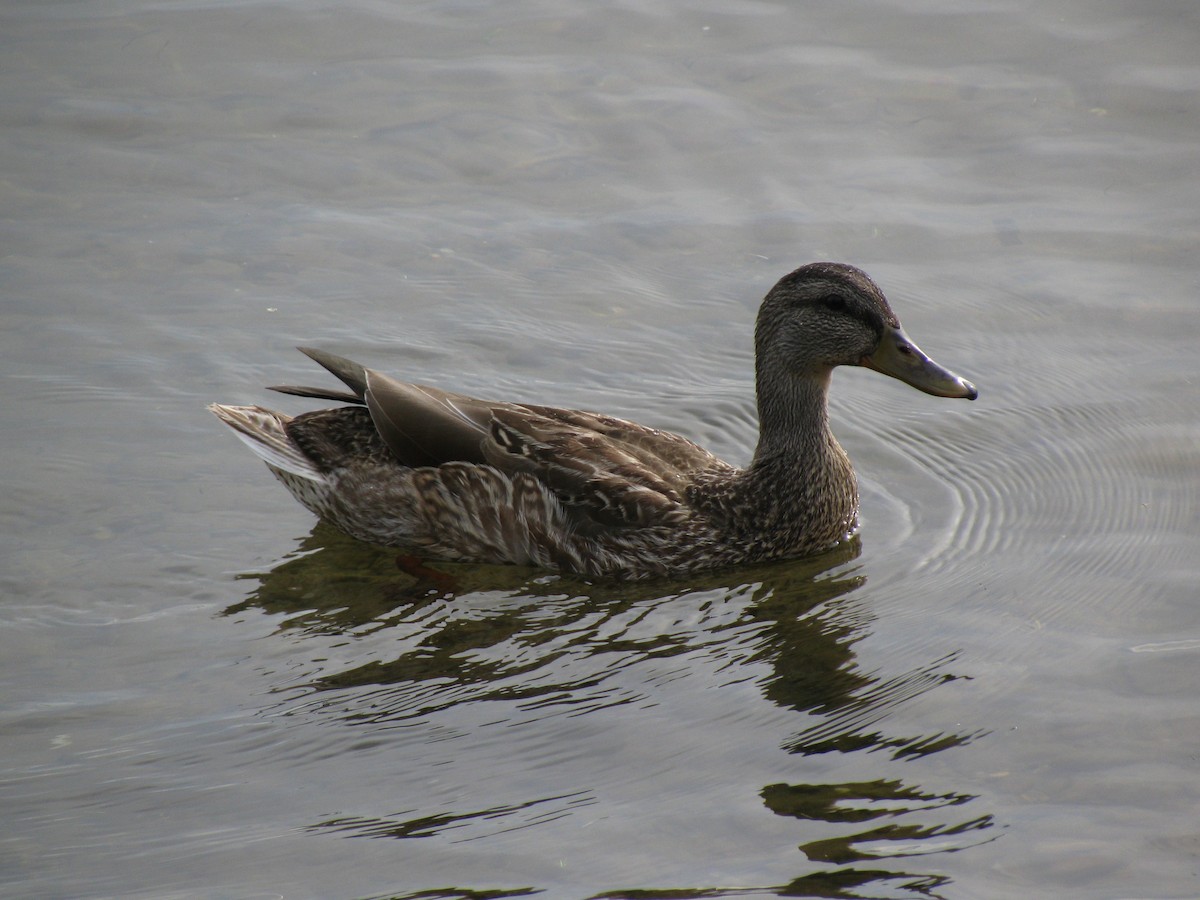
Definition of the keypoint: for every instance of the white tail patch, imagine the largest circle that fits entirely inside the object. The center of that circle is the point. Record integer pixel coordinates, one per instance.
(262, 431)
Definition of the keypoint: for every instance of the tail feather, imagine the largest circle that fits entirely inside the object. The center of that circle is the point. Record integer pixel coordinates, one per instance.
(351, 374)
(299, 390)
(262, 430)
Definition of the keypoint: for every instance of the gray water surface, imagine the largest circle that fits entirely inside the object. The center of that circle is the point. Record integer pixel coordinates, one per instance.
(989, 693)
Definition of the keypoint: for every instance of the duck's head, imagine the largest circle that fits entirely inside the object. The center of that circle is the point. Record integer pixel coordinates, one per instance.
(830, 314)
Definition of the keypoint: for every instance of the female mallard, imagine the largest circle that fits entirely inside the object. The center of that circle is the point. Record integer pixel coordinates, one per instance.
(449, 477)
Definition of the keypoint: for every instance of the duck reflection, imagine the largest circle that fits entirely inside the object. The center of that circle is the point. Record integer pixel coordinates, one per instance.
(472, 634)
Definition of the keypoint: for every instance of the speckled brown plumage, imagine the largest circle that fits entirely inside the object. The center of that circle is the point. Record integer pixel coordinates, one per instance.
(451, 477)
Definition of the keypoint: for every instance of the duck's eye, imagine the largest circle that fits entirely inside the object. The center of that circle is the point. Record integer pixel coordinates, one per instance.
(834, 302)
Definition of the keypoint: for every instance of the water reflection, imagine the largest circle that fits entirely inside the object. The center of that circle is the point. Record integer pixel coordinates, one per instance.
(432, 650)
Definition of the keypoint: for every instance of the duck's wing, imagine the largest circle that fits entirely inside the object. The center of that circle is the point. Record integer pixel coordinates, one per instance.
(606, 471)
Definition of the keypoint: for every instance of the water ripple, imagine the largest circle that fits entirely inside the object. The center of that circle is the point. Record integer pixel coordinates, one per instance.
(1053, 481)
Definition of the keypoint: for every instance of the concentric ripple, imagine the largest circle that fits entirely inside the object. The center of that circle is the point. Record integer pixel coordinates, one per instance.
(1084, 490)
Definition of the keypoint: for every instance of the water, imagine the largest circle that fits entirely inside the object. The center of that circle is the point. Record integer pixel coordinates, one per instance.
(990, 693)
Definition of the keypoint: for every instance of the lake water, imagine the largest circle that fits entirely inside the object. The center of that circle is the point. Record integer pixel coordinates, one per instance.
(990, 693)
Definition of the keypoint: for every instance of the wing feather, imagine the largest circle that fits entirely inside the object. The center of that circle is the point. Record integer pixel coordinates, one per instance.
(606, 471)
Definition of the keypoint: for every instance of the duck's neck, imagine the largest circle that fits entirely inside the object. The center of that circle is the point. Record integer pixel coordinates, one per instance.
(799, 493)
(793, 424)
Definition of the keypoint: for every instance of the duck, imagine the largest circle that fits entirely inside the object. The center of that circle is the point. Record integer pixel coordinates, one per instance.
(446, 477)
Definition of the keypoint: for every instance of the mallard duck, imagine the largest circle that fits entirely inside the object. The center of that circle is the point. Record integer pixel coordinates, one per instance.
(449, 477)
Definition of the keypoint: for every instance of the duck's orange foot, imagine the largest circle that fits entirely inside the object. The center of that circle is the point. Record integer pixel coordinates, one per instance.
(437, 581)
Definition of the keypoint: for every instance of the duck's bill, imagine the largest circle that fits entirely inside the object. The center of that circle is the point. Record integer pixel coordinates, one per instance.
(899, 357)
